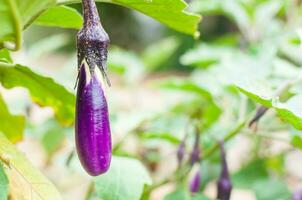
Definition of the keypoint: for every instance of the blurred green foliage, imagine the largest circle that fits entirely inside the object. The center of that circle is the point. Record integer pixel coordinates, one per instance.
(248, 57)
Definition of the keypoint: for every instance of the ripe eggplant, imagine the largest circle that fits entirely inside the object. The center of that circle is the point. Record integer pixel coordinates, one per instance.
(92, 127)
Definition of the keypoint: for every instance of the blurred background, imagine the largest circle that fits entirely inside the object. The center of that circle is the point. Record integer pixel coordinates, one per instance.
(163, 82)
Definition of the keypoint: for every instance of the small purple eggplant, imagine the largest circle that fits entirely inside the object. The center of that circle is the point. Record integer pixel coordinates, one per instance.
(195, 154)
(195, 182)
(297, 195)
(224, 185)
(92, 127)
(181, 150)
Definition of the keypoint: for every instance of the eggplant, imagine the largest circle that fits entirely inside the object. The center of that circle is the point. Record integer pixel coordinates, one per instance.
(297, 195)
(92, 126)
(224, 185)
(195, 182)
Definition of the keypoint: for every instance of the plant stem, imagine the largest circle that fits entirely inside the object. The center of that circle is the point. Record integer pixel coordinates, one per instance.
(90, 12)
(89, 191)
(226, 138)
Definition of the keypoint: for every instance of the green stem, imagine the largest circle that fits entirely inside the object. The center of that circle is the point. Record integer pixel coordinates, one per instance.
(226, 138)
(17, 26)
(90, 191)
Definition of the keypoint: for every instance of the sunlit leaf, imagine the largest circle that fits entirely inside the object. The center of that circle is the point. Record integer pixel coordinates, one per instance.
(3, 183)
(165, 11)
(276, 190)
(125, 180)
(35, 185)
(5, 56)
(61, 16)
(44, 91)
(11, 125)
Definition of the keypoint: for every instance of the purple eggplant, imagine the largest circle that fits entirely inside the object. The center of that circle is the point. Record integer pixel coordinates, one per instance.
(92, 127)
(195, 182)
(93, 139)
(297, 195)
(224, 185)
(181, 150)
(195, 154)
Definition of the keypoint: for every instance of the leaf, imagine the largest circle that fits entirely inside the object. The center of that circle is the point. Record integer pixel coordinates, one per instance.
(125, 180)
(206, 55)
(5, 56)
(160, 135)
(168, 12)
(289, 111)
(11, 125)
(60, 16)
(53, 138)
(271, 189)
(297, 141)
(10, 23)
(44, 91)
(40, 187)
(3, 184)
(126, 63)
(187, 86)
(30, 9)
(249, 174)
(156, 54)
(179, 194)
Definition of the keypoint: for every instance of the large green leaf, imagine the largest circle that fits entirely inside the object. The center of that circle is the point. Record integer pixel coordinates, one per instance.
(169, 12)
(40, 187)
(60, 16)
(3, 184)
(125, 180)
(44, 91)
(11, 125)
(271, 189)
(249, 174)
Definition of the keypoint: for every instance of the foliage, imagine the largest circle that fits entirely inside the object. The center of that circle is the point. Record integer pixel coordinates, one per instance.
(242, 77)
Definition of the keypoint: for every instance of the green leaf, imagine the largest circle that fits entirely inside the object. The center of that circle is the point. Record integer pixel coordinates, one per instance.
(160, 135)
(11, 125)
(179, 194)
(44, 91)
(53, 138)
(126, 63)
(60, 16)
(125, 180)
(258, 95)
(187, 86)
(19, 166)
(3, 184)
(206, 55)
(249, 174)
(10, 23)
(168, 12)
(289, 111)
(5, 56)
(271, 189)
(200, 197)
(157, 54)
(296, 140)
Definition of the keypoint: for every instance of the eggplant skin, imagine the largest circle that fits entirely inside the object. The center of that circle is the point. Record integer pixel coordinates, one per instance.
(92, 127)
